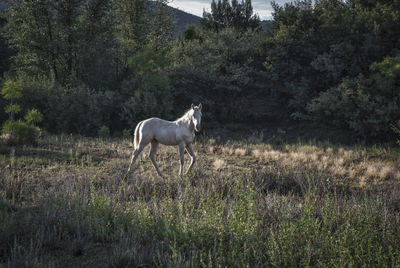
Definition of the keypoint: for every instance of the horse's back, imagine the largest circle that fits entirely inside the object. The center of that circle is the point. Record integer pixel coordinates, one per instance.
(160, 130)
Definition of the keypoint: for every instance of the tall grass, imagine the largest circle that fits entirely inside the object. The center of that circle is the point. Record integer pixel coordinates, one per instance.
(64, 203)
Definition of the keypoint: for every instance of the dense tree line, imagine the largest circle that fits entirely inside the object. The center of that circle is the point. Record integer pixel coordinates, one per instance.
(89, 63)
(319, 54)
(75, 59)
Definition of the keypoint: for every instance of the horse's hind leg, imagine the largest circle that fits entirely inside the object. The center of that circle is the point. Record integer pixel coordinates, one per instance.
(152, 152)
(135, 154)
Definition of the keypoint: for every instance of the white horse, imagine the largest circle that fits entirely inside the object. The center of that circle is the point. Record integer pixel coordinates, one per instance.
(179, 132)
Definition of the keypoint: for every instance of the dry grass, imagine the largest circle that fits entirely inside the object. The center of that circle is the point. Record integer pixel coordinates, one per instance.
(212, 149)
(358, 165)
(219, 164)
(228, 150)
(241, 152)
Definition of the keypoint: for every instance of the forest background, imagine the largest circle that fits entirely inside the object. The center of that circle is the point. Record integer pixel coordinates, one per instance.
(87, 64)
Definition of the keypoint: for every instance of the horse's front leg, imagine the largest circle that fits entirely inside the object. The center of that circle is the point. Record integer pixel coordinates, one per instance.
(189, 149)
(181, 157)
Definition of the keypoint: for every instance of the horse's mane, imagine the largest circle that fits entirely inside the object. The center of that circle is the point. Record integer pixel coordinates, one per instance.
(185, 117)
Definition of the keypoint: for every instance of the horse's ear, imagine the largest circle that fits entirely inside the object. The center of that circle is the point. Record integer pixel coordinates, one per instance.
(192, 106)
(200, 106)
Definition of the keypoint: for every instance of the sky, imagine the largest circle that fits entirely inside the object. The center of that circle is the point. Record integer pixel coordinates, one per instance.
(261, 7)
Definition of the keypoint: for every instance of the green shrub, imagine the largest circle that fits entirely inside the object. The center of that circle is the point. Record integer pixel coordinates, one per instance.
(396, 129)
(368, 106)
(104, 132)
(20, 132)
(11, 90)
(126, 134)
(80, 110)
(33, 116)
(12, 108)
(224, 80)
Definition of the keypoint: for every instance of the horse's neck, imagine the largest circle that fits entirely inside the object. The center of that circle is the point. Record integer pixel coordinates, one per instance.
(186, 121)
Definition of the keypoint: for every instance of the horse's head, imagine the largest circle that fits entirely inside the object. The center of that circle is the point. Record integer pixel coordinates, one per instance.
(196, 117)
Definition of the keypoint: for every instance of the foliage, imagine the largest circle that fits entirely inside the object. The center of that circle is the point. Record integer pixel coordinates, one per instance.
(5, 52)
(314, 47)
(218, 69)
(190, 33)
(396, 129)
(130, 31)
(20, 132)
(387, 75)
(73, 59)
(33, 117)
(11, 90)
(86, 40)
(119, 55)
(103, 132)
(148, 93)
(161, 27)
(12, 109)
(225, 14)
(80, 110)
(149, 62)
(367, 106)
(126, 134)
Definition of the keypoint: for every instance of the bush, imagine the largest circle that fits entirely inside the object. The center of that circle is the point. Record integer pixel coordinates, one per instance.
(220, 71)
(33, 116)
(148, 93)
(104, 132)
(20, 132)
(80, 110)
(366, 105)
(126, 134)
(396, 129)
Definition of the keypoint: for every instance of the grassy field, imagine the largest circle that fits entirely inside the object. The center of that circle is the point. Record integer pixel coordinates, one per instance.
(247, 203)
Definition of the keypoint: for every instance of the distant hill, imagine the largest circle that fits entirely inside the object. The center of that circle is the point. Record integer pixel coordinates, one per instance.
(2, 6)
(182, 19)
(266, 25)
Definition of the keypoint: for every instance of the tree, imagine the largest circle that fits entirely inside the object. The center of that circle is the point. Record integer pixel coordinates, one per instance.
(368, 106)
(161, 25)
(5, 51)
(148, 91)
(218, 69)
(65, 40)
(18, 131)
(224, 14)
(130, 31)
(312, 47)
(96, 53)
(29, 31)
(11, 91)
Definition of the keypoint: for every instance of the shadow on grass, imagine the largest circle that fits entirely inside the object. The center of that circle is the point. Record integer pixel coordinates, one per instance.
(278, 133)
(41, 155)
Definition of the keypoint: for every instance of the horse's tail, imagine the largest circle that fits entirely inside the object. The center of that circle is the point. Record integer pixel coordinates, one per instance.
(137, 134)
